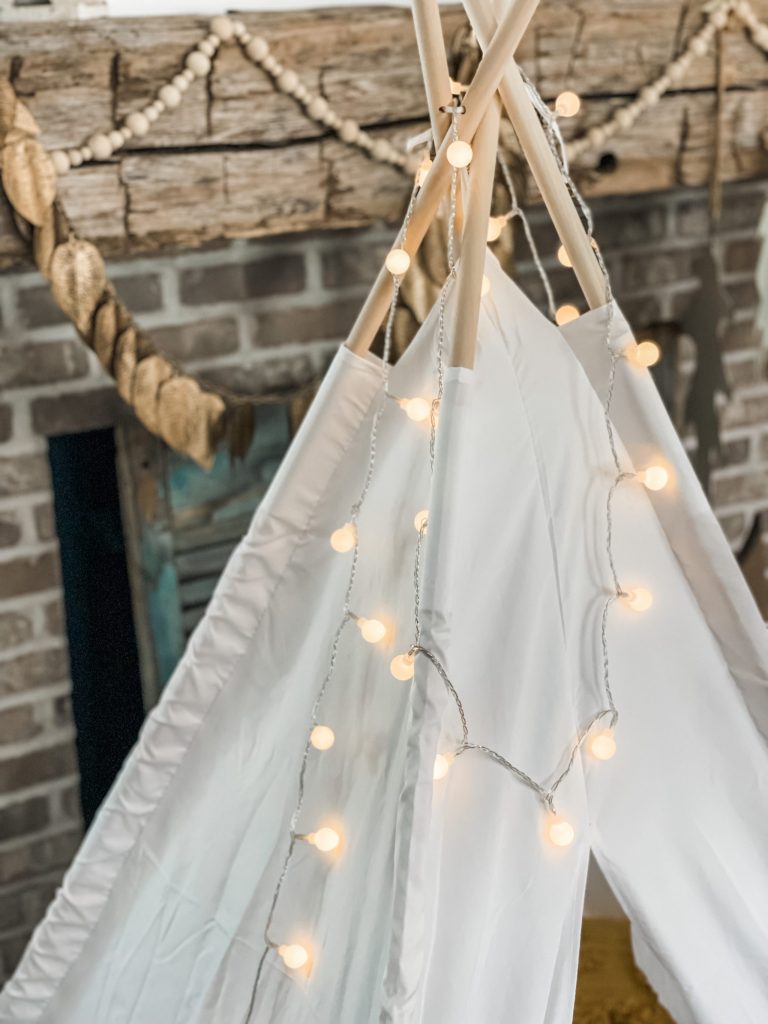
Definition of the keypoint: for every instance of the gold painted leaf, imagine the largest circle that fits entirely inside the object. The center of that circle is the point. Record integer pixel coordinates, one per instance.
(211, 408)
(124, 364)
(150, 374)
(23, 120)
(29, 178)
(78, 279)
(105, 331)
(178, 409)
(8, 103)
(44, 241)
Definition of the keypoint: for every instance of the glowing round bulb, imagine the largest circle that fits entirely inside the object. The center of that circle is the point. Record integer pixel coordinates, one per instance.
(325, 839)
(639, 599)
(344, 538)
(567, 104)
(294, 956)
(421, 519)
(655, 478)
(495, 227)
(442, 764)
(565, 314)
(603, 745)
(401, 666)
(647, 353)
(485, 287)
(423, 171)
(372, 630)
(561, 832)
(563, 257)
(397, 262)
(416, 409)
(459, 154)
(322, 737)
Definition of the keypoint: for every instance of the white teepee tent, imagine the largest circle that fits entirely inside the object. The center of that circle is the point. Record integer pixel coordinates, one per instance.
(207, 878)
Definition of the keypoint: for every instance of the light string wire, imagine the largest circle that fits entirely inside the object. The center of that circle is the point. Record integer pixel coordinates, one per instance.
(347, 614)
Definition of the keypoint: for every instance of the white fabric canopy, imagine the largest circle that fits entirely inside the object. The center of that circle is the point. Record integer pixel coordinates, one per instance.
(447, 903)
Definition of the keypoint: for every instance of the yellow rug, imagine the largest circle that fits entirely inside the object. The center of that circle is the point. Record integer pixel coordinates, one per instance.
(611, 989)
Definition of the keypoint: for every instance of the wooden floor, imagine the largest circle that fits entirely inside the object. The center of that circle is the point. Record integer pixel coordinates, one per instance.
(611, 990)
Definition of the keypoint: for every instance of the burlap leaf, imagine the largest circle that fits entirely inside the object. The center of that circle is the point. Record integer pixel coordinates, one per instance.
(105, 331)
(124, 363)
(177, 408)
(23, 121)
(78, 279)
(151, 373)
(29, 178)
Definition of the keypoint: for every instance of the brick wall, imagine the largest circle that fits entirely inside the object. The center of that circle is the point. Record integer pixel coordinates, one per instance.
(269, 314)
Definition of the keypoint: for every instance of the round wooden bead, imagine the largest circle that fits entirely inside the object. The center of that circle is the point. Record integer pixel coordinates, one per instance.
(301, 93)
(100, 146)
(381, 150)
(206, 47)
(348, 131)
(86, 154)
(596, 136)
(257, 49)
(222, 26)
(624, 118)
(743, 9)
(75, 157)
(699, 46)
(60, 161)
(332, 119)
(179, 82)
(720, 18)
(189, 75)
(288, 82)
(238, 27)
(150, 113)
(170, 96)
(137, 123)
(317, 108)
(198, 63)
(116, 139)
(272, 66)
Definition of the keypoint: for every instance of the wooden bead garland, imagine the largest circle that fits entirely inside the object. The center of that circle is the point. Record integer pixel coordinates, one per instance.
(223, 29)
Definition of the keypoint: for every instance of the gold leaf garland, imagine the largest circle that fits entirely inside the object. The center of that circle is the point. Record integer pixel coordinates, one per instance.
(189, 415)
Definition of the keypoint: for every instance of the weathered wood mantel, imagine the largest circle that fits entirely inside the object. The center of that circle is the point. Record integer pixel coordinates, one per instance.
(240, 159)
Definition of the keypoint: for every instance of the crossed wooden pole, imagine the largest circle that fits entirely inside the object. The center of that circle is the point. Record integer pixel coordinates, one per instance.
(497, 72)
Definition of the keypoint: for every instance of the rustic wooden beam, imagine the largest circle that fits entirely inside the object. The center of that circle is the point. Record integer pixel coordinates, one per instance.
(241, 159)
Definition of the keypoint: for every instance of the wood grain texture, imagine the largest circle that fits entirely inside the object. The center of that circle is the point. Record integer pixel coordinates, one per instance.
(240, 159)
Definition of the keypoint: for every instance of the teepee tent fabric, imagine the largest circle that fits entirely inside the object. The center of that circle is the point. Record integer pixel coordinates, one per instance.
(446, 902)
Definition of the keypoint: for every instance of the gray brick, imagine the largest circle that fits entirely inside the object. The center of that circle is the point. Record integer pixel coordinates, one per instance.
(319, 323)
(42, 363)
(37, 307)
(200, 340)
(279, 275)
(142, 293)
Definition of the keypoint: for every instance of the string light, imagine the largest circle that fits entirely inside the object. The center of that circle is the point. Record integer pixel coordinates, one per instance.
(565, 314)
(655, 478)
(639, 600)
(397, 262)
(441, 767)
(326, 839)
(603, 745)
(563, 257)
(459, 154)
(373, 631)
(421, 519)
(322, 737)
(495, 227)
(402, 666)
(343, 539)
(294, 956)
(416, 409)
(560, 832)
(646, 353)
(567, 104)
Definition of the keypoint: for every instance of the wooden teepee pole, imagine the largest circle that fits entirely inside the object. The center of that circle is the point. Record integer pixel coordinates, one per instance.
(476, 101)
(543, 164)
(434, 65)
(474, 240)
